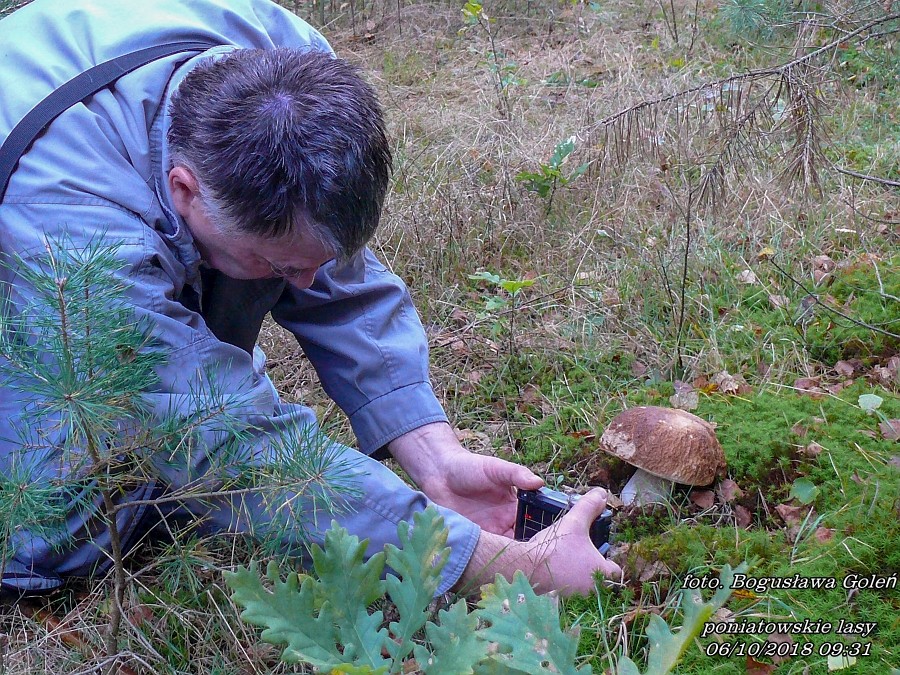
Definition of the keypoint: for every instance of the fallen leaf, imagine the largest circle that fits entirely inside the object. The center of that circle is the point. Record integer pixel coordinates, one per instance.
(883, 376)
(727, 383)
(813, 450)
(688, 400)
(823, 262)
(780, 639)
(683, 387)
(703, 498)
(754, 667)
(838, 387)
(459, 317)
(856, 478)
(791, 515)
(729, 491)
(804, 491)
(894, 461)
(638, 368)
(742, 516)
(799, 430)
(807, 383)
(723, 614)
(647, 571)
(766, 253)
(747, 277)
(823, 534)
(890, 429)
(845, 368)
(893, 365)
(779, 301)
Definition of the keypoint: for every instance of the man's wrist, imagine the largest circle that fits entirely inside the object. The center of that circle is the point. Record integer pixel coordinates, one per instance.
(423, 452)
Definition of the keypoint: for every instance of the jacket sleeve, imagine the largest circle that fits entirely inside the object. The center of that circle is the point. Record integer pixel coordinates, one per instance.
(358, 326)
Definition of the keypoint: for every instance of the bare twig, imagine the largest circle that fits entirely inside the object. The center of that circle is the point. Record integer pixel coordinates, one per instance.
(749, 75)
(863, 176)
(815, 298)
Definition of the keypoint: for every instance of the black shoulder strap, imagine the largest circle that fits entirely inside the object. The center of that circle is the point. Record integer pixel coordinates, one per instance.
(77, 89)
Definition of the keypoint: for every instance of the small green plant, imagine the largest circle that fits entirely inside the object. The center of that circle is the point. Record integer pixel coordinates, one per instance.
(550, 176)
(325, 620)
(504, 72)
(74, 352)
(505, 305)
(667, 647)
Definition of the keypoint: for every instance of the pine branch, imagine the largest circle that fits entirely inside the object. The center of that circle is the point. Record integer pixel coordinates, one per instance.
(755, 74)
(863, 176)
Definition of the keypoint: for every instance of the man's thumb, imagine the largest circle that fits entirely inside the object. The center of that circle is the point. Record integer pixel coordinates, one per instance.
(589, 506)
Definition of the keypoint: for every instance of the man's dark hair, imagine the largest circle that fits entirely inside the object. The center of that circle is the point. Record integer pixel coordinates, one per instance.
(277, 135)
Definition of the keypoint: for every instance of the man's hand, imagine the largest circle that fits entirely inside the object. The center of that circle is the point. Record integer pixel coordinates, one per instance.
(561, 557)
(481, 488)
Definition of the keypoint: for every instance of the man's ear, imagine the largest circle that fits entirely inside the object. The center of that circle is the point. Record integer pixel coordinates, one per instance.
(185, 191)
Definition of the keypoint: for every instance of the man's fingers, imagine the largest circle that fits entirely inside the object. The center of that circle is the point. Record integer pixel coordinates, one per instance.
(588, 507)
(502, 472)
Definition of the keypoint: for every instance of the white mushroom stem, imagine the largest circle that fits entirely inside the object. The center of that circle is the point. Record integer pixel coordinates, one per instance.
(645, 488)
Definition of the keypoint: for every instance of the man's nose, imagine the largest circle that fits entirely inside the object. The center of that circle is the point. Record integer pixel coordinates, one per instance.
(303, 280)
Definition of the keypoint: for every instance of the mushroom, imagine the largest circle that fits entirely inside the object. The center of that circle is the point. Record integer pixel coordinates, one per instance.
(666, 446)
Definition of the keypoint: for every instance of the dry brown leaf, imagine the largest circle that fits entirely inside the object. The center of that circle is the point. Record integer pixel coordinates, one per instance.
(638, 368)
(799, 430)
(648, 571)
(823, 534)
(804, 383)
(729, 491)
(824, 263)
(779, 301)
(703, 498)
(474, 440)
(838, 387)
(687, 400)
(682, 387)
(742, 516)
(791, 515)
(747, 277)
(847, 368)
(727, 383)
(890, 429)
(813, 450)
(779, 639)
(459, 317)
(883, 376)
(754, 667)
(893, 365)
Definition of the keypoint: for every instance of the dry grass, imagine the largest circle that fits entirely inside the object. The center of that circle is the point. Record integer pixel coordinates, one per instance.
(607, 256)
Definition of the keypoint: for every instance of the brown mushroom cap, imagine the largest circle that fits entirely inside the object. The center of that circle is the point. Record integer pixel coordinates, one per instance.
(669, 443)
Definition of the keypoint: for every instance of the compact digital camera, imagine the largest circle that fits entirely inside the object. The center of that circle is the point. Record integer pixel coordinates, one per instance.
(538, 509)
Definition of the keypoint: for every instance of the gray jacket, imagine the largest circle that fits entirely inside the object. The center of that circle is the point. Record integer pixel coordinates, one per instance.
(100, 168)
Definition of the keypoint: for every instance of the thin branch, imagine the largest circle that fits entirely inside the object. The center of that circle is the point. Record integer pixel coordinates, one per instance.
(815, 298)
(749, 75)
(863, 176)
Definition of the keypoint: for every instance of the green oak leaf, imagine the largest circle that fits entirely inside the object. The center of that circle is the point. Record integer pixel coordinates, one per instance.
(419, 564)
(526, 628)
